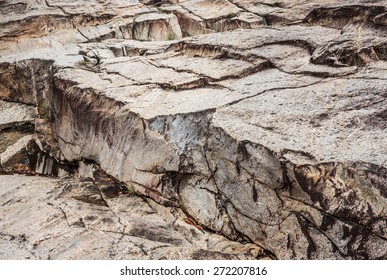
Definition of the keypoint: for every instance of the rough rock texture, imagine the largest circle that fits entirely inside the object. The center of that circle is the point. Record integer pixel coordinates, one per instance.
(156, 27)
(265, 123)
(44, 218)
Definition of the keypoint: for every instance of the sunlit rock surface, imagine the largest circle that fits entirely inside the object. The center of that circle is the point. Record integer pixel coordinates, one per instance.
(257, 127)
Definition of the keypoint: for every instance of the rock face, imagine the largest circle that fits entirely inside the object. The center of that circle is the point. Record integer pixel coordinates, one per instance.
(45, 218)
(156, 27)
(261, 122)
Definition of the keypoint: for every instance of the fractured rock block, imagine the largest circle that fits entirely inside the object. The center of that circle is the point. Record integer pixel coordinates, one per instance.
(13, 114)
(156, 27)
(15, 154)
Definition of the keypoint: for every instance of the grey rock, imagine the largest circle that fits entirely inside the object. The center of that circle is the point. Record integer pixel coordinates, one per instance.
(15, 153)
(15, 115)
(156, 27)
(78, 219)
(268, 126)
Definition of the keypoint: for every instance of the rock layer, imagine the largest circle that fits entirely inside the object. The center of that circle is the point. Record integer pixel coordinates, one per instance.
(267, 127)
(45, 218)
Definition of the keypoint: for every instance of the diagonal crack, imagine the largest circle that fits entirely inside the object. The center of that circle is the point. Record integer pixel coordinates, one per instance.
(114, 244)
(80, 223)
(346, 220)
(57, 7)
(309, 238)
(269, 90)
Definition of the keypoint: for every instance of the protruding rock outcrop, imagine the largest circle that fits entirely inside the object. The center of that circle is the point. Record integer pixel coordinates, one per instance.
(156, 27)
(268, 127)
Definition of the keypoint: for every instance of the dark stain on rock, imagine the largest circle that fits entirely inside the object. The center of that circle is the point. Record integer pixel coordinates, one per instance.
(343, 53)
(357, 248)
(346, 230)
(369, 211)
(377, 120)
(16, 80)
(289, 242)
(89, 119)
(202, 254)
(340, 16)
(113, 190)
(381, 50)
(186, 164)
(107, 220)
(157, 234)
(375, 174)
(312, 248)
(317, 120)
(85, 192)
(90, 218)
(305, 180)
(79, 223)
(170, 183)
(254, 191)
(351, 198)
(91, 200)
(350, 173)
(242, 155)
(327, 222)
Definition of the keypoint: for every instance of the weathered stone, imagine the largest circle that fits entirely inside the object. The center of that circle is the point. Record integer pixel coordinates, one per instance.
(156, 27)
(15, 153)
(271, 135)
(190, 24)
(67, 219)
(13, 115)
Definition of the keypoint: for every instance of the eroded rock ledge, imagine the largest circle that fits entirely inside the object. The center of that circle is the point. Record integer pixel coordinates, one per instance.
(262, 122)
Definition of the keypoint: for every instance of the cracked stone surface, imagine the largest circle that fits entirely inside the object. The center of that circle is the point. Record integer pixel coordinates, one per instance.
(45, 218)
(260, 123)
(15, 115)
